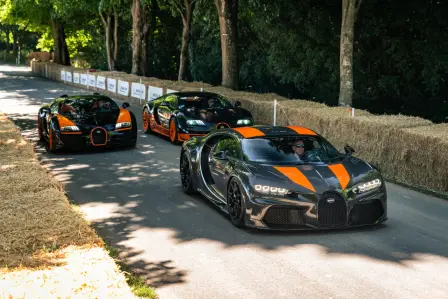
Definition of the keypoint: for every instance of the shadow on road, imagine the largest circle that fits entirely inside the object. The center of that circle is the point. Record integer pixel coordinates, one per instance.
(126, 191)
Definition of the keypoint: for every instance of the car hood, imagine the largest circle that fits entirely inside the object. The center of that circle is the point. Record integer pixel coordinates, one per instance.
(215, 115)
(314, 178)
(94, 119)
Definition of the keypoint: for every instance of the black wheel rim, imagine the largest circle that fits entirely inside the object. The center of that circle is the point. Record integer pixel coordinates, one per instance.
(185, 172)
(234, 201)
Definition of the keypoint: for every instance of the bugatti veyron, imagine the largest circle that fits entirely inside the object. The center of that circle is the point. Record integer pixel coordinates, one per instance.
(182, 115)
(86, 121)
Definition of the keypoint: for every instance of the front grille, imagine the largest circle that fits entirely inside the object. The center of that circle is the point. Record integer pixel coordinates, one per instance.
(332, 210)
(284, 216)
(366, 213)
(98, 136)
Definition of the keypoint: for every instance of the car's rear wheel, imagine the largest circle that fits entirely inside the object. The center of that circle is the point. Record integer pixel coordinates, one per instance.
(185, 174)
(39, 128)
(173, 131)
(235, 203)
(146, 121)
(51, 139)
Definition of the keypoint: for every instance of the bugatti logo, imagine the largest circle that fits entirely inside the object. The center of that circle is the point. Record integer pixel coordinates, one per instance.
(330, 200)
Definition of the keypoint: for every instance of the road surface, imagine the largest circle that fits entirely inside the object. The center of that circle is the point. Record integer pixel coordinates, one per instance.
(188, 249)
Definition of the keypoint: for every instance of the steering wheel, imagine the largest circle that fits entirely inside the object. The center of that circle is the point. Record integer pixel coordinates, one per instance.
(311, 156)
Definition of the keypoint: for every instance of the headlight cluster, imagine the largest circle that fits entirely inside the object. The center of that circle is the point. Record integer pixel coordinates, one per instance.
(244, 122)
(270, 190)
(195, 122)
(123, 125)
(367, 186)
(70, 129)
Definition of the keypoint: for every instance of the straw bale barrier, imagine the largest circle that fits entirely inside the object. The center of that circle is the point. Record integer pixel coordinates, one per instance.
(408, 150)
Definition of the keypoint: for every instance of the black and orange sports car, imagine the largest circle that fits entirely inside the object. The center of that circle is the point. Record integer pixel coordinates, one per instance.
(86, 121)
(273, 177)
(182, 115)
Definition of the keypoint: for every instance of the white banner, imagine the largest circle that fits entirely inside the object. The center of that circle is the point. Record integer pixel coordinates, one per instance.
(63, 75)
(138, 90)
(68, 76)
(170, 91)
(101, 82)
(76, 78)
(84, 80)
(123, 88)
(154, 92)
(92, 80)
(112, 85)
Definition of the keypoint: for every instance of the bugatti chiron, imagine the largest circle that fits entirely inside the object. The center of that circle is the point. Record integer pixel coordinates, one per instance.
(86, 121)
(182, 115)
(290, 177)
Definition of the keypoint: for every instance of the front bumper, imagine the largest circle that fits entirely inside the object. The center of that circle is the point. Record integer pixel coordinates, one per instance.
(315, 212)
(84, 141)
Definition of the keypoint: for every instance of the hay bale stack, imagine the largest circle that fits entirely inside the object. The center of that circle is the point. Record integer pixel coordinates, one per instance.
(420, 156)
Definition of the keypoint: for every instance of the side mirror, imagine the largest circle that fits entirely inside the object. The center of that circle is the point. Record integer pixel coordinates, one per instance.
(222, 155)
(237, 104)
(126, 105)
(349, 150)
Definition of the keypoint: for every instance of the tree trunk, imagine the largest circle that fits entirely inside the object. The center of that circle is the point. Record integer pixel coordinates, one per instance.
(228, 13)
(186, 19)
(349, 11)
(61, 55)
(140, 28)
(115, 56)
(107, 22)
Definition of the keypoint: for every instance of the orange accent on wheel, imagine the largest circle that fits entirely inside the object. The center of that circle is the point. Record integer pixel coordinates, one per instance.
(172, 130)
(50, 138)
(145, 120)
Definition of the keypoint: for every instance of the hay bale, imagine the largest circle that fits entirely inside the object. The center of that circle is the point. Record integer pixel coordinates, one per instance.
(296, 103)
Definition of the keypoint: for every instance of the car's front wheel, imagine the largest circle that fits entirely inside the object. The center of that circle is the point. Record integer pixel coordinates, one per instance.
(235, 203)
(146, 121)
(185, 174)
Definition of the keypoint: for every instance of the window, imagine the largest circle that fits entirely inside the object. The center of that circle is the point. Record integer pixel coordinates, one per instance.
(229, 145)
(204, 102)
(171, 101)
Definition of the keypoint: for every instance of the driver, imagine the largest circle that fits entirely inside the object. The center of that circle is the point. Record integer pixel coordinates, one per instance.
(299, 149)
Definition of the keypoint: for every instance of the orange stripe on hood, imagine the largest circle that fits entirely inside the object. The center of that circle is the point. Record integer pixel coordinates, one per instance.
(341, 174)
(302, 130)
(296, 176)
(249, 132)
(124, 116)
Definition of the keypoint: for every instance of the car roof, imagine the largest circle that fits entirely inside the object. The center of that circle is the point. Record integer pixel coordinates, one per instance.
(271, 131)
(193, 93)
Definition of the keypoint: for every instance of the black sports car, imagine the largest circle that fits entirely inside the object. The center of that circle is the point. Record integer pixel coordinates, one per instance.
(182, 115)
(86, 121)
(273, 177)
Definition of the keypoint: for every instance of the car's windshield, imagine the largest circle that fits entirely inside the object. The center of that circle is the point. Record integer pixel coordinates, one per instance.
(88, 105)
(204, 102)
(290, 150)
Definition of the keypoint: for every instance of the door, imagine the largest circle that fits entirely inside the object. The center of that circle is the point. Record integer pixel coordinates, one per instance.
(165, 111)
(222, 161)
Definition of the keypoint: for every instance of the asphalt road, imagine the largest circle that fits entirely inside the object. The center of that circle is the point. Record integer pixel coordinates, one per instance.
(188, 249)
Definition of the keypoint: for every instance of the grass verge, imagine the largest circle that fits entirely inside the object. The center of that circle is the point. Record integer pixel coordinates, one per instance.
(47, 249)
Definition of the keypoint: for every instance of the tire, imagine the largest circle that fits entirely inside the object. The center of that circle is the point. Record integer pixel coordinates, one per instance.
(134, 130)
(173, 131)
(236, 203)
(146, 121)
(185, 174)
(39, 128)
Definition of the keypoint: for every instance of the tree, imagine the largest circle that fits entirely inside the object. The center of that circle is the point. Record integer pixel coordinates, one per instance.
(185, 8)
(350, 10)
(140, 28)
(228, 17)
(108, 10)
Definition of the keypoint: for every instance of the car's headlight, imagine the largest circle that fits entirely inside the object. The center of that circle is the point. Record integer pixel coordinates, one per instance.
(195, 122)
(123, 125)
(70, 129)
(361, 188)
(270, 190)
(244, 122)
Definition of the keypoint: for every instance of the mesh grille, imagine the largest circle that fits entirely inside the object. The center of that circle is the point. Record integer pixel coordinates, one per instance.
(332, 210)
(366, 213)
(285, 216)
(99, 136)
